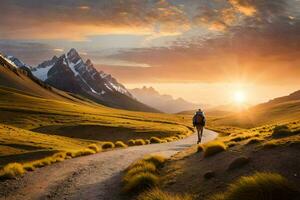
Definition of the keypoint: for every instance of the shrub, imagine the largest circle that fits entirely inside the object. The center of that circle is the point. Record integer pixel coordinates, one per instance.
(281, 131)
(94, 147)
(238, 162)
(140, 182)
(155, 140)
(200, 148)
(108, 145)
(120, 144)
(140, 142)
(254, 140)
(131, 142)
(157, 194)
(213, 148)
(260, 186)
(12, 170)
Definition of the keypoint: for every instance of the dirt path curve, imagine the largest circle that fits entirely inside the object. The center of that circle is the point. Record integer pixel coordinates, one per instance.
(90, 177)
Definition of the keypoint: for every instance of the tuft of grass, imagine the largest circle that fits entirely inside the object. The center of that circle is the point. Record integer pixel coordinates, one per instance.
(142, 174)
(200, 148)
(213, 148)
(281, 131)
(254, 140)
(239, 138)
(141, 182)
(157, 160)
(83, 152)
(141, 167)
(12, 170)
(131, 142)
(94, 147)
(155, 140)
(231, 144)
(147, 142)
(238, 162)
(157, 194)
(260, 186)
(108, 145)
(120, 144)
(140, 142)
(29, 167)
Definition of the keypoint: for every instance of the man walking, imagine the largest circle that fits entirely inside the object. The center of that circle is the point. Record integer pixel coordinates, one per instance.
(199, 122)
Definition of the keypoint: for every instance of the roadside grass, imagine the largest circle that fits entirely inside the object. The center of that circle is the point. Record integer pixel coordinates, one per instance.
(142, 174)
(254, 140)
(155, 140)
(158, 194)
(213, 147)
(108, 145)
(94, 147)
(13, 170)
(260, 186)
(120, 144)
(139, 142)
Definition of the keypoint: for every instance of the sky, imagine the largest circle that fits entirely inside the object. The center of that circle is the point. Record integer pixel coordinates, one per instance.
(202, 50)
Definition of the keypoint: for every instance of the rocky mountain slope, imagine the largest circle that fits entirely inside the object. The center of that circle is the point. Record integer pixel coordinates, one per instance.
(72, 74)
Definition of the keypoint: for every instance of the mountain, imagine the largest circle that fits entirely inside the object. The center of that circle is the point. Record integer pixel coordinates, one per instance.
(278, 110)
(71, 73)
(165, 103)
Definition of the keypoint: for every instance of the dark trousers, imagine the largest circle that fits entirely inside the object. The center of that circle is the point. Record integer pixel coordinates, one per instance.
(200, 132)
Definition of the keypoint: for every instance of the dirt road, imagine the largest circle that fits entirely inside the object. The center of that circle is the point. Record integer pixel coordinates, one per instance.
(90, 177)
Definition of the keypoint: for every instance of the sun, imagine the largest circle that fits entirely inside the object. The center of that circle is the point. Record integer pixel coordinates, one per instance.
(239, 97)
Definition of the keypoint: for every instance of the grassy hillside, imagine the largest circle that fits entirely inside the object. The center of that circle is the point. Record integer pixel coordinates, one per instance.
(280, 110)
(37, 120)
(256, 156)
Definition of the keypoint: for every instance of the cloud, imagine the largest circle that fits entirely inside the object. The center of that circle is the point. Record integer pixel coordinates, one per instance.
(73, 20)
(244, 6)
(265, 48)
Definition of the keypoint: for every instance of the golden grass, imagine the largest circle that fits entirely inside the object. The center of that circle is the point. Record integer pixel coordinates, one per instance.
(260, 186)
(213, 147)
(140, 182)
(12, 170)
(155, 140)
(94, 147)
(139, 142)
(108, 145)
(120, 144)
(157, 194)
(142, 174)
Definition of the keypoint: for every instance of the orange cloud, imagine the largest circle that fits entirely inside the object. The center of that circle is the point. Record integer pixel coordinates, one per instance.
(243, 6)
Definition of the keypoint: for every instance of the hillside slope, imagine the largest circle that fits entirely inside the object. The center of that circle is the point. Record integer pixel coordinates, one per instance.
(279, 110)
(58, 121)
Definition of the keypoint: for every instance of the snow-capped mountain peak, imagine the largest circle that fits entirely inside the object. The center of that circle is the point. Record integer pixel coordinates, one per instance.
(83, 73)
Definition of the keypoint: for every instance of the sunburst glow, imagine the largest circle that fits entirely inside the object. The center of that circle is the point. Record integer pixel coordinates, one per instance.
(239, 97)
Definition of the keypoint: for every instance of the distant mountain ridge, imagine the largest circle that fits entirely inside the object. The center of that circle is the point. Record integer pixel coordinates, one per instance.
(72, 74)
(165, 103)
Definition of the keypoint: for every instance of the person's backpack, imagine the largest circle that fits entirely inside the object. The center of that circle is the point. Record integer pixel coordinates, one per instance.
(199, 119)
